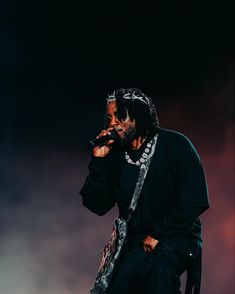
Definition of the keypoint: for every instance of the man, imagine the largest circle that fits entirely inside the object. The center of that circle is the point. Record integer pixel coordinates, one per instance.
(164, 234)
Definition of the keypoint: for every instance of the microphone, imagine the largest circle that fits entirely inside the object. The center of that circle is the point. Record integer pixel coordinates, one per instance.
(101, 141)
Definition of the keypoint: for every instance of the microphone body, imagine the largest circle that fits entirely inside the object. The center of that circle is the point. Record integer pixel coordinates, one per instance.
(101, 141)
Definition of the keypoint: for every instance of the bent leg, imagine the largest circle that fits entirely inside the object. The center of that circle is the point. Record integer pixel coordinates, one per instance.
(164, 275)
(125, 276)
(142, 272)
(170, 263)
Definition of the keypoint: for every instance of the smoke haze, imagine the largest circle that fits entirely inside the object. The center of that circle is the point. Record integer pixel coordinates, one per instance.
(51, 244)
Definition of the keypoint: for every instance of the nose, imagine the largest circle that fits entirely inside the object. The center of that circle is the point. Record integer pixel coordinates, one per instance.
(113, 121)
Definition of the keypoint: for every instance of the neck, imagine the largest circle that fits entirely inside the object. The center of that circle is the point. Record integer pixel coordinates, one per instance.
(137, 142)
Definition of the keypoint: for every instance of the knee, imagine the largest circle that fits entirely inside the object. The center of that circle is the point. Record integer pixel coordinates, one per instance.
(167, 265)
(160, 267)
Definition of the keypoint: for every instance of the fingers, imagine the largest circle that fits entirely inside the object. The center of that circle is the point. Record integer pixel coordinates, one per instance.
(103, 150)
(104, 133)
(110, 142)
(147, 248)
(149, 244)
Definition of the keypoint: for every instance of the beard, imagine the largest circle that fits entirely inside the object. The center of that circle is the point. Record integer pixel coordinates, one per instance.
(127, 137)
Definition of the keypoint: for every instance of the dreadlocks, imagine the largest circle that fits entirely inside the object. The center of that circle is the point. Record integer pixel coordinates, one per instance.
(138, 106)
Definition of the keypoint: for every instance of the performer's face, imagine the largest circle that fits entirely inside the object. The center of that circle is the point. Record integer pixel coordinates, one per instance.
(125, 128)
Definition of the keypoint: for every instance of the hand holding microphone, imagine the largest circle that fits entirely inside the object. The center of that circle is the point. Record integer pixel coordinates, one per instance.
(103, 142)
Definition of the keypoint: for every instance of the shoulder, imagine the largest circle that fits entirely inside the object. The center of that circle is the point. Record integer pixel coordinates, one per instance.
(177, 142)
(174, 135)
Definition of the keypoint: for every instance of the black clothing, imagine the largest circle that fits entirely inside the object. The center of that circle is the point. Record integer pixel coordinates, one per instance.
(174, 193)
(173, 196)
(157, 272)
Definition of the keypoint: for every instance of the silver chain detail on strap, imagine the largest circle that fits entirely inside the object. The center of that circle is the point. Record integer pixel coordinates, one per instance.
(142, 174)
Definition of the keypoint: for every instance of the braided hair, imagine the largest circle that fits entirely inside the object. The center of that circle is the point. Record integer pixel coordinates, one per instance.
(138, 106)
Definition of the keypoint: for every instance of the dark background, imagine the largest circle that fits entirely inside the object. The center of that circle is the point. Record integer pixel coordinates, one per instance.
(58, 62)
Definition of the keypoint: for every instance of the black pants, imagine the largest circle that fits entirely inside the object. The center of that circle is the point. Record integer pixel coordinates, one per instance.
(157, 272)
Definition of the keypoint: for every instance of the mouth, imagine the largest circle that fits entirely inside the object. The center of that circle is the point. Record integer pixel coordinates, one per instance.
(119, 129)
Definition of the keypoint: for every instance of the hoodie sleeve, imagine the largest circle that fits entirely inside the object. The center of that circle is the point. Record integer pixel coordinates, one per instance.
(97, 191)
(191, 188)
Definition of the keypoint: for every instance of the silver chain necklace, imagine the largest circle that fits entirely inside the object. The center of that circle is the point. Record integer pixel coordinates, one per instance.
(143, 157)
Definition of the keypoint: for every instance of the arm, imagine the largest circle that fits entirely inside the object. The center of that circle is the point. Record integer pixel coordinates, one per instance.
(97, 191)
(177, 221)
(191, 190)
